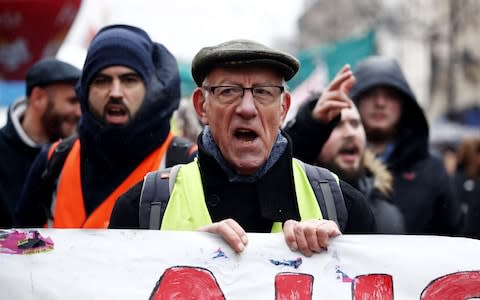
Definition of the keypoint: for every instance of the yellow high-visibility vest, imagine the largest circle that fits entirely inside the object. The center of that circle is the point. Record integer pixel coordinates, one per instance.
(187, 210)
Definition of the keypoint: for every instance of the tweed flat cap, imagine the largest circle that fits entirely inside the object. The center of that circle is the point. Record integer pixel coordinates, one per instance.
(239, 53)
(49, 71)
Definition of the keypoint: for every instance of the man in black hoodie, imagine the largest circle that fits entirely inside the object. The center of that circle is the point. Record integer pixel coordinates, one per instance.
(129, 88)
(397, 132)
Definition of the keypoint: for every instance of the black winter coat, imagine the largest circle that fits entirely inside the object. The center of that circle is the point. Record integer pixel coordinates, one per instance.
(468, 190)
(17, 153)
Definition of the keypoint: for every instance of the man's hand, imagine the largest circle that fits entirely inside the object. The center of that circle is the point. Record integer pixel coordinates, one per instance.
(310, 236)
(230, 231)
(335, 97)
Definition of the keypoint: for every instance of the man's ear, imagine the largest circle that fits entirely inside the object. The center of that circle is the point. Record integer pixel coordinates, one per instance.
(200, 105)
(38, 99)
(285, 106)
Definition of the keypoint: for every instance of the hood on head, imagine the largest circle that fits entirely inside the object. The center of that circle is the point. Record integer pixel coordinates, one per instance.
(130, 46)
(379, 71)
(150, 126)
(120, 45)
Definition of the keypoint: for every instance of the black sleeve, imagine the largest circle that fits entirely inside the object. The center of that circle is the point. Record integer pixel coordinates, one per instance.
(5, 219)
(472, 221)
(126, 209)
(30, 210)
(448, 215)
(307, 134)
(360, 216)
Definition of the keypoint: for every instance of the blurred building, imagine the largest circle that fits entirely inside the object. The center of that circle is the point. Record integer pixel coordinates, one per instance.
(434, 41)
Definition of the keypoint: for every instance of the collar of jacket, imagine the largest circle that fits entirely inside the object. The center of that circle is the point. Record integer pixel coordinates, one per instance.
(13, 127)
(275, 190)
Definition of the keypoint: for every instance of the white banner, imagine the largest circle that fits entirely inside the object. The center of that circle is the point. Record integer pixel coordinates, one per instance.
(132, 264)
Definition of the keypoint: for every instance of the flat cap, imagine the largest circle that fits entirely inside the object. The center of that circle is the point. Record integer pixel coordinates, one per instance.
(239, 53)
(49, 71)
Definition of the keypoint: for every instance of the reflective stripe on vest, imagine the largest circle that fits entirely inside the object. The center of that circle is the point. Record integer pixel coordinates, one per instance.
(187, 210)
(70, 208)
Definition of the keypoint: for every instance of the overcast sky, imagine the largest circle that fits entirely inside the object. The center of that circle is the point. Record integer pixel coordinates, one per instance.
(184, 26)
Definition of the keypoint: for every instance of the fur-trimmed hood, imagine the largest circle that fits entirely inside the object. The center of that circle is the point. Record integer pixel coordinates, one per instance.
(383, 179)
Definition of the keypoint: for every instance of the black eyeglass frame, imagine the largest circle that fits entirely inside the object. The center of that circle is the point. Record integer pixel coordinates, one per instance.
(213, 88)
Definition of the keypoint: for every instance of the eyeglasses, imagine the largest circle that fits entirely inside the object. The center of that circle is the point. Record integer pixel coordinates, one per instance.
(227, 94)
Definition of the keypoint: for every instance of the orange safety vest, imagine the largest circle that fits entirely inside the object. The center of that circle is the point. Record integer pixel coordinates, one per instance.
(69, 209)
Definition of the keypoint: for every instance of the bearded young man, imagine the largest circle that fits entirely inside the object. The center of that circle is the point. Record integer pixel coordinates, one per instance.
(129, 88)
(397, 133)
(340, 146)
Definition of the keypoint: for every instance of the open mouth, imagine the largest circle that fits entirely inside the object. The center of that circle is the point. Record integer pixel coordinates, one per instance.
(116, 114)
(245, 135)
(349, 150)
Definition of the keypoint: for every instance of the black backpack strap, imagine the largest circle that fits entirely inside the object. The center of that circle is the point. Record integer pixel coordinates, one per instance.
(58, 157)
(52, 172)
(154, 197)
(328, 193)
(180, 151)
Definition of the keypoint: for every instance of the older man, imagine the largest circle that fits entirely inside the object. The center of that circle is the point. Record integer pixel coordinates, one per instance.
(245, 179)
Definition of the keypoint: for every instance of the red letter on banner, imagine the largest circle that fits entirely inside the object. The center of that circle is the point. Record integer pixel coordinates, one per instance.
(293, 286)
(455, 286)
(373, 286)
(187, 283)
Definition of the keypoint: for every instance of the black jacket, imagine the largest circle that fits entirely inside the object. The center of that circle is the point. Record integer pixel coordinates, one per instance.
(110, 153)
(255, 206)
(17, 152)
(468, 190)
(308, 137)
(422, 189)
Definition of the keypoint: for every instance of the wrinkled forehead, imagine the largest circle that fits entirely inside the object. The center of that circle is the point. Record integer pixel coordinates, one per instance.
(245, 74)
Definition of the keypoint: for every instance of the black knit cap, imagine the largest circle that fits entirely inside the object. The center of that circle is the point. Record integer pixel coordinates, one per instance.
(240, 53)
(49, 71)
(118, 44)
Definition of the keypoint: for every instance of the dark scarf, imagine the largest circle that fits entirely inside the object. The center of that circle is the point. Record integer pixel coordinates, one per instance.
(254, 201)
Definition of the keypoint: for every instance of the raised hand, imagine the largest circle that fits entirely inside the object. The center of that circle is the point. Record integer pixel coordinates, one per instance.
(335, 97)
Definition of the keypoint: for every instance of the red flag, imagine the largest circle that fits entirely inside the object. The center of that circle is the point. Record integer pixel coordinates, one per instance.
(31, 30)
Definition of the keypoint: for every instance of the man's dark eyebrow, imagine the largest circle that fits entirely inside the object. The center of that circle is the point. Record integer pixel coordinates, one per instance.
(100, 74)
(129, 74)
